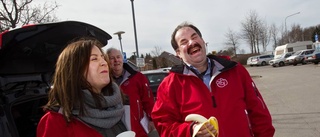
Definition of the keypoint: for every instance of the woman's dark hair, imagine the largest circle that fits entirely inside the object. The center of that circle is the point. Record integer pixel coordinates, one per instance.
(182, 25)
(69, 79)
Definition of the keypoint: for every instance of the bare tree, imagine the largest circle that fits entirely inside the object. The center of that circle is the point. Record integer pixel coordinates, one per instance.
(156, 55)
(274, 35)
(157, 51)
(232, 40)
(299, 34)
(242, 51)
(250, 31)
(22, 12)
(283, 39)
(264, 35)
(296, 34)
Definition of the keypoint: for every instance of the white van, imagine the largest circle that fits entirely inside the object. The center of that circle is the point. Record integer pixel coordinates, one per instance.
(292, 47)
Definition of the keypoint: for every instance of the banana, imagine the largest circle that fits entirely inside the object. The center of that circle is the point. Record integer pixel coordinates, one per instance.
(196, 117)
(202, 120)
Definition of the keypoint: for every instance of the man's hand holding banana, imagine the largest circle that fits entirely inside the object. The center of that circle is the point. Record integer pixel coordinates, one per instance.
(203, 127)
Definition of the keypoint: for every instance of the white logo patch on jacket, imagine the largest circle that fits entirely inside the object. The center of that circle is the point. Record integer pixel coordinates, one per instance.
(221, 82)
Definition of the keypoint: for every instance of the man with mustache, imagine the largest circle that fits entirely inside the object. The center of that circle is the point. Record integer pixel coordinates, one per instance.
(208, 86)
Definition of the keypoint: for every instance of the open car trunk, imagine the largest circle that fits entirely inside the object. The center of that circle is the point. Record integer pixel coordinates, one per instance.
(27, 62)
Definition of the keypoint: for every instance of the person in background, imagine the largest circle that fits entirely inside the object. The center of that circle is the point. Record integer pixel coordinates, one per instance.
(136, 89)
(208, 86)
(83, 101)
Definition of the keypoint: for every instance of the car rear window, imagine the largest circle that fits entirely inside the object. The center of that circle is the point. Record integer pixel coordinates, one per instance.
(156, 78)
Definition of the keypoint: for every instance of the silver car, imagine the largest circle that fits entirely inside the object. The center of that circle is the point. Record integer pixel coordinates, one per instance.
(260, 60)
(279, 60)
(299, 57)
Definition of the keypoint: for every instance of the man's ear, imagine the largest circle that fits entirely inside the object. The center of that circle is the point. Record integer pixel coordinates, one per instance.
(178, 53)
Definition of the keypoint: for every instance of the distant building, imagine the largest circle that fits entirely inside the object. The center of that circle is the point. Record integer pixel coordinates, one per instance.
(166, 59)
(169, 59)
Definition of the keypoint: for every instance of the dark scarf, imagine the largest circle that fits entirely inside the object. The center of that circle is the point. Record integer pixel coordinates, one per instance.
(111, 113)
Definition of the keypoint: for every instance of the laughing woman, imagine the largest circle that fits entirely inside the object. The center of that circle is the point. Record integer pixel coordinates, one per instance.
(83, 100)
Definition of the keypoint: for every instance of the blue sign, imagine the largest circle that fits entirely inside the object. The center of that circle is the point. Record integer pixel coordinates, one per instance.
(124, 57)
(316, 37)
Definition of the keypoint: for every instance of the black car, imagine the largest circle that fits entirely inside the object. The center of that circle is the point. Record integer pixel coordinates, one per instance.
(155, 77)
(27, 63)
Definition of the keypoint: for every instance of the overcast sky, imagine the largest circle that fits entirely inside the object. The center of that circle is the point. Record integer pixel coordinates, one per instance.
(156, 19)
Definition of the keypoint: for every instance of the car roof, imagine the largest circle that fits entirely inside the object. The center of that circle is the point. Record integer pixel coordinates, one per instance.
(35, 48)
(260, 55)
(305, 50)
(161, 70)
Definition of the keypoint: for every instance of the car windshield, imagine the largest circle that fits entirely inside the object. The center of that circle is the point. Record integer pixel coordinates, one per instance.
(297, 53)
(278, 56)
(309, 52)
(287, 55)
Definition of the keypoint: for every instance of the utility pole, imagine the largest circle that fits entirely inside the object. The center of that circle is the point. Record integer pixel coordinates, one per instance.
(285, 24)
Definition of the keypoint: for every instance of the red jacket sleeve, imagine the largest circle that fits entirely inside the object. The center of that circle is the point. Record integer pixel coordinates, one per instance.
(167, 119)
(147, 95)
(258, 113)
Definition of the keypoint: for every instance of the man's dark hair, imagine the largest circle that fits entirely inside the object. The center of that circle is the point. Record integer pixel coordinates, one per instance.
(182, 25)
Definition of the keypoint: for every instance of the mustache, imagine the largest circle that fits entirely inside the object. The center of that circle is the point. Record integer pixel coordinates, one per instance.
(194, 45)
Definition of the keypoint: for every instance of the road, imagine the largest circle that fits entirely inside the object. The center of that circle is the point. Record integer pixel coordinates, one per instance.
(292, 94)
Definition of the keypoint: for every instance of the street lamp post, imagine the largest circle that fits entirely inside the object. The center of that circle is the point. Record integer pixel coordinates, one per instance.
(285, 22)
(134, 27)
(119, 36)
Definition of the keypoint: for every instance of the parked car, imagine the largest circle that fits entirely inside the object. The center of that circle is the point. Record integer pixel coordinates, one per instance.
(314, 57)
(27, 62)
(299, 57)
(155, 77)
(280, 59)
(259, 60)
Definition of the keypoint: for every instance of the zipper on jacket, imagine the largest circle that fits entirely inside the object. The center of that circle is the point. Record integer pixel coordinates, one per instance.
(148, 89)
(249, 124)
(138, 109)
(214, 104)
(257, 94)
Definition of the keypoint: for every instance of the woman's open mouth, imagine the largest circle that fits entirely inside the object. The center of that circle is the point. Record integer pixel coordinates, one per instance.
(104, 71)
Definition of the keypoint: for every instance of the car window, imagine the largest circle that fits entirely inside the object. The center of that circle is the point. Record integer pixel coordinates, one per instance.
(297, 53)
(156, 78)
(266, 56)
(263, 57)
(309, 52)
(287, 55)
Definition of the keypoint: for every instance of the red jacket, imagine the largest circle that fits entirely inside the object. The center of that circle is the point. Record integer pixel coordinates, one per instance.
(234, 100)
(136, 86)
(60, 128)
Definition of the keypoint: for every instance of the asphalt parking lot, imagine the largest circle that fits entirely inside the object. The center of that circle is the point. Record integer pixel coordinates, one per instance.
(292, 94)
